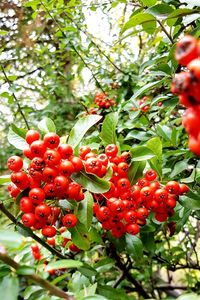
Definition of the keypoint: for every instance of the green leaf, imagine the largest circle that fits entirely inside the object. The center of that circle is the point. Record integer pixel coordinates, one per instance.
(160, 10)
(79, 236)
(15, 139)
(20, 131)
(4, 179)
(189, 202)
(138, 19)
(108, 131)
(179, 167)
(25, 270)
(164, 131)
(81, 127)
(95, 297)
(63, 263)
(134, 246)
(190, 296)
(87, 270)
(10, 239)
(146, 88)
(3, 32)
(136, 171)
(9, 288)
(141, 153)
(155, 145)
(181, 12)
(85, 210)
(149, 2)
(91, 182)
(47, 125)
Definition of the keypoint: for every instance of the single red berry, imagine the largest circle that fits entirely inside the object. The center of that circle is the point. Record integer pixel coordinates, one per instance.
(26, 205)
(172, 187)
(51, 140)
(111, 150)
(77, 163)
(186, 50)
(133, 229)
(31, 136)
(52, 158)
(28, 219)
(37, 195)
(38, 148)
(150, 175)
(65, 150)
(69, 220)
(66, 168)
(42, 211)
(15, 163)
(49, 231)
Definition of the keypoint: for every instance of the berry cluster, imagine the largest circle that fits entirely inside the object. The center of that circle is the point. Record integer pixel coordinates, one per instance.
(45, 180)
(103, 101)
(125, 207)
(186, 84)
(142, 104)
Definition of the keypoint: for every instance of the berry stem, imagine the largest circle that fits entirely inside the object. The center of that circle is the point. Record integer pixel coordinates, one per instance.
(54, 290)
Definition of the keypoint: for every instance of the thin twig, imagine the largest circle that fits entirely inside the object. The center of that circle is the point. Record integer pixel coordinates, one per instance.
(30, 233)
(165, 31)
(15, 98)
(73, 47)
(53, 290)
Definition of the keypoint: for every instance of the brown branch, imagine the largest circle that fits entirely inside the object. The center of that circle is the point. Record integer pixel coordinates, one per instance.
(30, 233)
(15, 98)
(165, 31)
(54, 290)
(95, 44)
(139, 288)
(73, 47)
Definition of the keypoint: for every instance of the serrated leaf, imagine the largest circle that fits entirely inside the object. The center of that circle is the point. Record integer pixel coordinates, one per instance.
(138, 19)
(108, 131)
(91, 182)
(47, 125)
(81, 127)
(10, 239)
(85, 210)
(16, 140)
(63, 263)
(134, 246)
(9, 288)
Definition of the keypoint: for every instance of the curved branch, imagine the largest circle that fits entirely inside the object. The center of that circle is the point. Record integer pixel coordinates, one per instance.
(15, 98)
(30, 233)
(54, 290)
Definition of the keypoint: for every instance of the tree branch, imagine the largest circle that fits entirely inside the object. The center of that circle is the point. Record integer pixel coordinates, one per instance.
(165, 31)
(139, 288)
(73, 47)
(30, 233)
(54, 290)
(15, 98)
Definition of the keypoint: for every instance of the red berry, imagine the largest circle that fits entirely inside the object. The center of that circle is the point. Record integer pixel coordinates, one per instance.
(52, 158)
(15, 163)
(37, 195)
(26, 205)
(111, 150)
(65, 150)
(186, 50)
(51, 140)
(133, 229)
(28, 219)
(49, 231)
(31, 136)
(38, 148)
(42, 211)
(69, 220)
(150, 175)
